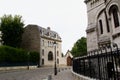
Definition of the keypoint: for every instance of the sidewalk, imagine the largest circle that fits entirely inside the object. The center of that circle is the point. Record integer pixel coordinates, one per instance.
(63, 75)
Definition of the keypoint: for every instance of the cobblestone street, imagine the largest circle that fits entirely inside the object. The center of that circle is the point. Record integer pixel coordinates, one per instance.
(33, 74)
(36, 74)
(64, 75)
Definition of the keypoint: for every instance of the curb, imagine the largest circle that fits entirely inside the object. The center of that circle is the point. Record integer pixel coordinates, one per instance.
(80, 77)
(17, 67)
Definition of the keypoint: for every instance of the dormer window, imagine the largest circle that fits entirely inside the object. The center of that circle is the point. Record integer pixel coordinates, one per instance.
(55, 35)
(48, 33)
(42, 32)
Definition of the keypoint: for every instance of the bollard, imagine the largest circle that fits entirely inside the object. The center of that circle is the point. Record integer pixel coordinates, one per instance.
(49, 77)
(59, 70)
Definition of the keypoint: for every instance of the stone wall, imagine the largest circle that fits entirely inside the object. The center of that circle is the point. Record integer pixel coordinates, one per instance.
(31, 38)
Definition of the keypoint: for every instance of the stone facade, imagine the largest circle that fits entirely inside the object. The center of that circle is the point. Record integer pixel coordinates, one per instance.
(66, 60)
(69, 58)
(103, 23)
(44, 41)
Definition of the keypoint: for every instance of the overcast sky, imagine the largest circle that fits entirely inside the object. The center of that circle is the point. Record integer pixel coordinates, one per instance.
(67, 17)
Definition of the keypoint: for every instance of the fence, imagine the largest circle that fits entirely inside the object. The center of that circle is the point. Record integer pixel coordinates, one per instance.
(101, 64)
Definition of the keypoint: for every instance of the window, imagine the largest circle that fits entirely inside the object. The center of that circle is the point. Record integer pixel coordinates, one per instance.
(42, 32)
(42, 52)
(57, 61)
(57, 53)
(50, 56)
(115, 15)
(42, 61)
(48, 43)
(43, 42)
(101, 26)
(55, 35)
(48, 33)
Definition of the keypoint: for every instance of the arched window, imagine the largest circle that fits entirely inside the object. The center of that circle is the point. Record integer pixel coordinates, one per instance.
(115, 17)
(101, 26)
(114, 12)
(50, 56)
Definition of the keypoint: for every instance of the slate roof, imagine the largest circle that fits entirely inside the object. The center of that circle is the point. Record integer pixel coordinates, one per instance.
(49, 33)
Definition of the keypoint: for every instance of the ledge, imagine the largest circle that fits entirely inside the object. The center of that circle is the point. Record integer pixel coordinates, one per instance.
(91, 28)
(116, 35)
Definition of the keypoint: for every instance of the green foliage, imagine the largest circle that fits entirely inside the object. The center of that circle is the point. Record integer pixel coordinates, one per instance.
(34, 57)
(12, 30)
(79, 48)
(10, 54)
(15, 55)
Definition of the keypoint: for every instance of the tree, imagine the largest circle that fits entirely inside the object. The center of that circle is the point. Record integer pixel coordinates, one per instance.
(12, 30)
(79, 48)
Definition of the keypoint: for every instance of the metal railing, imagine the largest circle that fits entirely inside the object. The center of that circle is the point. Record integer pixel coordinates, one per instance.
(101, 64)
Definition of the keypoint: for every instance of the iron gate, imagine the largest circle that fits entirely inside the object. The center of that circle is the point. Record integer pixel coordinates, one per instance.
(101, 64)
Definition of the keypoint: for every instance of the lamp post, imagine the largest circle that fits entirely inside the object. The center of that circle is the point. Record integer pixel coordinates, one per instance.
(28, 60)
(55, 67)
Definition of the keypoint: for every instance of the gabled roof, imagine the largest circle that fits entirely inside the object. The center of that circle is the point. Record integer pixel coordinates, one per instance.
(68, 53)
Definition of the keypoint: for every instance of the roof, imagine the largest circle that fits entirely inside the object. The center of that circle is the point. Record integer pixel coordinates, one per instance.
(68, 54)
(49, 33)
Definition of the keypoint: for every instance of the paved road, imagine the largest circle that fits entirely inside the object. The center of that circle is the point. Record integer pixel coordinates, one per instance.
(34, 74)
(64, 75)
(37, 74)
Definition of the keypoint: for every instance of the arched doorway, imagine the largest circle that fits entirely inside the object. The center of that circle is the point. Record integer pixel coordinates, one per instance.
(69, 61)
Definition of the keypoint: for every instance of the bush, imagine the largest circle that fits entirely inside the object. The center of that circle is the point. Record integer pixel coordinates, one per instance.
(34, 57)
(14, 55)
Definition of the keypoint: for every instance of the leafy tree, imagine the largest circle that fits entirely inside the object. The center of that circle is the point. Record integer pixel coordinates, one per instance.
(12, 29)
(79, 48)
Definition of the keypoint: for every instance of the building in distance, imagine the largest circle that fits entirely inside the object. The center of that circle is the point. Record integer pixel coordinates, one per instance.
(45, 41)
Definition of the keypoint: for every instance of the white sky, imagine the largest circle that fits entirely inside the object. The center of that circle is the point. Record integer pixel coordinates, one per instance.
(67, 17)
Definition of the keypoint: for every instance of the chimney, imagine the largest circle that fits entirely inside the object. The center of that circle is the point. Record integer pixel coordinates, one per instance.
(48, 28)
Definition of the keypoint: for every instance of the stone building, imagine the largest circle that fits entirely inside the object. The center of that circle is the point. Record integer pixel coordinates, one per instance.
(103, 23)
(66, 59)
(69, 58)
(44, 41)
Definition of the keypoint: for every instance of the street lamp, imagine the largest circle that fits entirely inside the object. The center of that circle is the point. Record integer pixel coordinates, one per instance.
(28, 60)
(55, 67)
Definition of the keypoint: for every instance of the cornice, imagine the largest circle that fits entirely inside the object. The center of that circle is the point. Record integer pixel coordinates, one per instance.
(86, 1)
(51, 38)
